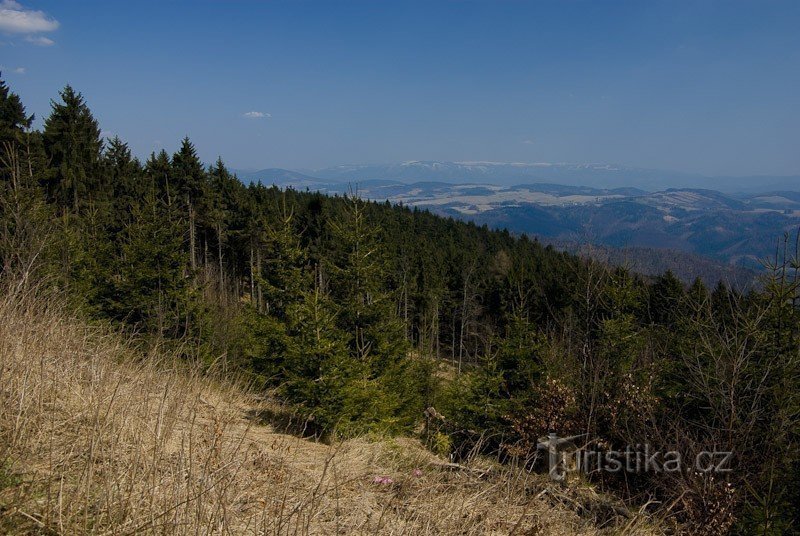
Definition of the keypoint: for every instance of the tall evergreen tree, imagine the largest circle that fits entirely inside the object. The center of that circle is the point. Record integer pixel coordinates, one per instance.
(127, 181)
(666, 299)
(13, 118)
(217, 208)
(158, 169)
(359, 276)
(149, 287)
(24, 218)
(73, 146)
(284, 279)
(188, 177)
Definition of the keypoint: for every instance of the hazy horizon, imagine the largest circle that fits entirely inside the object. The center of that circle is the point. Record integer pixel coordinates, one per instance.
(311, 170)
(707, 88)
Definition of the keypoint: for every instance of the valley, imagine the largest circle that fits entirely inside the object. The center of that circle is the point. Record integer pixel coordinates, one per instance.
(720, 235)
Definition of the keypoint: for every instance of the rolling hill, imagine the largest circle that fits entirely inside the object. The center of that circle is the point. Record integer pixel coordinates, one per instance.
(716, 234)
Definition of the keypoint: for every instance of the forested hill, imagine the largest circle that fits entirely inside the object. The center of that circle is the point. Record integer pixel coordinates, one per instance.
(362, 315)
(189, 253)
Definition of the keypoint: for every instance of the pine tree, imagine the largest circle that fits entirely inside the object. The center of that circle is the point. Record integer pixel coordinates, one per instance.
(126, 177)
(318, 368)
(14, 121)
(377, 340)
(359, 274)
(73, 146)
(20, 149)
(219, 204)
(158, 169)
(188, 178)
(149, 287)
(666, 300)
(284, 279)
(25, 220)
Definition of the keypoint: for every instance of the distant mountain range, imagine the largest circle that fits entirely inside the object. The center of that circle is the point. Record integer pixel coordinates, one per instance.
(737, 230)
(721, 233)
(510, 173)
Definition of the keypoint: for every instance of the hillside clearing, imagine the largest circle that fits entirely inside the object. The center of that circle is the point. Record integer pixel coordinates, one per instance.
(96, 439)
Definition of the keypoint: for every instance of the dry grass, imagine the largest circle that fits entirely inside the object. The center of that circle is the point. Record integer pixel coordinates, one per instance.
(97, 439)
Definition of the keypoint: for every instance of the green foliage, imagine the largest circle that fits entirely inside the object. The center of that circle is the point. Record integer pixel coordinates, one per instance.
(26, 246)
(73, 146)
(315, 345)
(477, 405)
(441, 444)
(667, 299)
(519, 356)
(331, 385)
(14, 121)
(284, 278)
(364, 314)
(148, 288)
(187, 174)
(261, 344)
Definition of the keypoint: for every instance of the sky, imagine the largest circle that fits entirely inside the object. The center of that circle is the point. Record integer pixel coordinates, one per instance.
(703, 86)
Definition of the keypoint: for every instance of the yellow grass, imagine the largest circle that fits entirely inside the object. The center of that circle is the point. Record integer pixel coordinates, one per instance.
(96, 438)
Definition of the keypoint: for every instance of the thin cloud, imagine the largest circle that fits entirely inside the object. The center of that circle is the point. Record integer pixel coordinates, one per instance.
(256, 115)
(529, 142)
(40, 41)
(16, 70)
(14, 18)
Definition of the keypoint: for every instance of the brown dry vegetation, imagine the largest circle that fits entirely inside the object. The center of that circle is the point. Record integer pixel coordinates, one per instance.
(96, 438)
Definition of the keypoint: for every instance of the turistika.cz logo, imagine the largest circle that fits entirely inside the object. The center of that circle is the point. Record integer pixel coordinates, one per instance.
(566, 456)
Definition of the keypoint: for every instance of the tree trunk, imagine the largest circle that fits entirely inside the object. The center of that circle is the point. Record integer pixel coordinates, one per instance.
(252, 277)
(464, 316)
(192, 258)
(219, 257)
(259, 302)
(436, 328)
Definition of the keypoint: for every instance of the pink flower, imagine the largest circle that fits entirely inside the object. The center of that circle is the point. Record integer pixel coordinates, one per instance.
(384, 480)
(417, 472)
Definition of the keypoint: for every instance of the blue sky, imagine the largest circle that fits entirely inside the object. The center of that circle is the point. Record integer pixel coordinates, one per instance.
(709, 87)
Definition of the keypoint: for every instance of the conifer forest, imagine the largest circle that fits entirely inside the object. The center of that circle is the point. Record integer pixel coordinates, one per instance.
(375, 319)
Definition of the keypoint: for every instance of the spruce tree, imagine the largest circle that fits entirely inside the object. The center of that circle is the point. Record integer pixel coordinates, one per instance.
(317, 368)
(14, 121)
(284, 279)
(149, 286)
(21, 155)
(359, 275)
(73, 146)
(124, 172)
(666, 300)
(25, 219)
(188, 177)
(217, 206)
(158, 169)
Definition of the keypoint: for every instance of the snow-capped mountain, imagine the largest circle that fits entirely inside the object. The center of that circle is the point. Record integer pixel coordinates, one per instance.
(501, 173)
(595, 175)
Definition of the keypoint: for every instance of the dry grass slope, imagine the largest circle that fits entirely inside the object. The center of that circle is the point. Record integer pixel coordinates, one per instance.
(97, 439)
